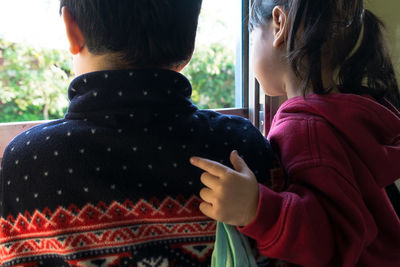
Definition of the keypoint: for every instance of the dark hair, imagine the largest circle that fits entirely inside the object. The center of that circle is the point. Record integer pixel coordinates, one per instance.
(338, 35)
(142, 33)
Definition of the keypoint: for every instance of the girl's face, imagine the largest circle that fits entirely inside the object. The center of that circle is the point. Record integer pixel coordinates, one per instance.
(267, 61)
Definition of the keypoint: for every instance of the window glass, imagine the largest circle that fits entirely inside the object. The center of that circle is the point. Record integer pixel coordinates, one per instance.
(214, 65)
(35, 67)
(34, 64)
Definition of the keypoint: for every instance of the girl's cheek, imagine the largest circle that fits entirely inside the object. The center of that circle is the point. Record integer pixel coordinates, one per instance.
(266, 62)
(259, 54)
(263, 69)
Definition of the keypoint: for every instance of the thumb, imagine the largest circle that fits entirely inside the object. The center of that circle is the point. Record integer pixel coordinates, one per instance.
(238, 163)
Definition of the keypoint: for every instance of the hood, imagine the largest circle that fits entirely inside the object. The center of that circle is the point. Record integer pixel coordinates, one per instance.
(370, 128)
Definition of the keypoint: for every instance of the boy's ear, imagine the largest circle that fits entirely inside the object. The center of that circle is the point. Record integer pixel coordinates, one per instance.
(279, 20)
(74, 34)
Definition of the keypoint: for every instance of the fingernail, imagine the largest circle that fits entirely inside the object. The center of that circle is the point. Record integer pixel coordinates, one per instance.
(193, 160)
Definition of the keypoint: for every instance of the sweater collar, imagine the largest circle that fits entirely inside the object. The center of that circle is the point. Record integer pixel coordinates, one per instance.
(121, 89)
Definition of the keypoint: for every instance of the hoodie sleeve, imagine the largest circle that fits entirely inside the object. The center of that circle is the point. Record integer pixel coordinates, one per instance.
(318, 223)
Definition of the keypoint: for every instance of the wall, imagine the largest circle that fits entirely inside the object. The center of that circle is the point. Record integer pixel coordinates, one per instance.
(388, 11)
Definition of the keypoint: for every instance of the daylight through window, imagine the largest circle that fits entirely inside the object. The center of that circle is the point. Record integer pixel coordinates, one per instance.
(35, 67)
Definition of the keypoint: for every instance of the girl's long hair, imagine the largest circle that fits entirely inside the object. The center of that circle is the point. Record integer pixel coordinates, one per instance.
(339, 36)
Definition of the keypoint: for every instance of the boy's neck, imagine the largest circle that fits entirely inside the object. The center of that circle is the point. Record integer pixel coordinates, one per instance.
(86, 62)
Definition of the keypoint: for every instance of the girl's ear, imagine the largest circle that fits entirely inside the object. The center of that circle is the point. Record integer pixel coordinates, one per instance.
(279, 21)
(74, 34)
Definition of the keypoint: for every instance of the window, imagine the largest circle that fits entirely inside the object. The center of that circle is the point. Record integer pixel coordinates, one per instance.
(214, 64)
(34, 62)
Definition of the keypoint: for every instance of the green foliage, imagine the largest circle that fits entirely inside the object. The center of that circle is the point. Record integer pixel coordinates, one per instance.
(34, 81)
(212, 73)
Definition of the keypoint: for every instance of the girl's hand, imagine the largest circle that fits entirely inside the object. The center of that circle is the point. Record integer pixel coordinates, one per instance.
(230, 196)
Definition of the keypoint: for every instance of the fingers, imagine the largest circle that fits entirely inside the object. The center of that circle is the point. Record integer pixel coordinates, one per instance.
(206, 194)
(229, 196)
(209, 166)
(238, 163)
(207, 209)
(209, 180)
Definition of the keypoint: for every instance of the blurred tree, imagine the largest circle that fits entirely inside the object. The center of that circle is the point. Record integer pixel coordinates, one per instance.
(212, 73)
(32, 82)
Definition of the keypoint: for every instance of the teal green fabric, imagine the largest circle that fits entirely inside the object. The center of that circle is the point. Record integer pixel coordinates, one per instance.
(232, 249)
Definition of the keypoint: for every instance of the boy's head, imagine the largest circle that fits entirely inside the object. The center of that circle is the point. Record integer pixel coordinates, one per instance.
(137, 33)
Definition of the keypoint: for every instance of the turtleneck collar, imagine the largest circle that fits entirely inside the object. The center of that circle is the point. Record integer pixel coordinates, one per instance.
(113, 91)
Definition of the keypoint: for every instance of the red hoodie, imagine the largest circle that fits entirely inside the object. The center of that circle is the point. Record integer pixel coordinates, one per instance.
(339, 152)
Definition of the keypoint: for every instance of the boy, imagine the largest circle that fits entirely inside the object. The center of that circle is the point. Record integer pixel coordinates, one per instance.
(110, 184)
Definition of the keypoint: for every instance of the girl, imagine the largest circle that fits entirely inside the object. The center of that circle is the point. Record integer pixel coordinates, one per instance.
(337, 136)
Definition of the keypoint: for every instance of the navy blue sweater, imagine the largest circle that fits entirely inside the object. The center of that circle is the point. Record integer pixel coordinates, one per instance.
(111, 184)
